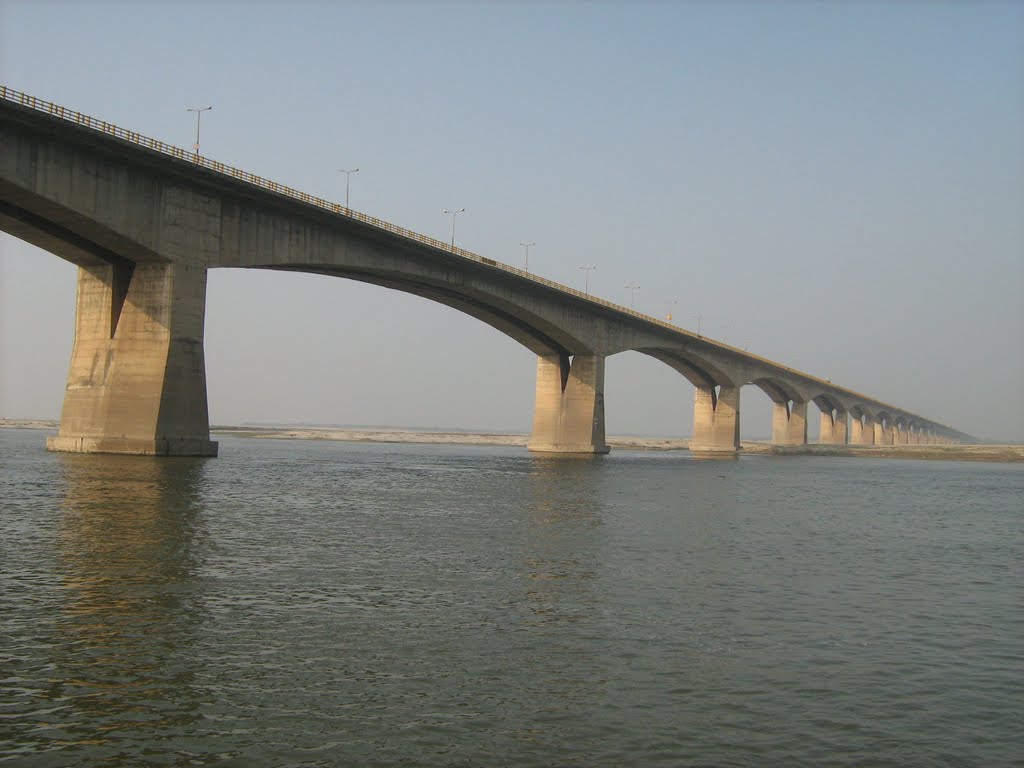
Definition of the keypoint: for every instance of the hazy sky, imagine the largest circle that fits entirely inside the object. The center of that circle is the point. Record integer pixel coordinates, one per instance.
(837, 186)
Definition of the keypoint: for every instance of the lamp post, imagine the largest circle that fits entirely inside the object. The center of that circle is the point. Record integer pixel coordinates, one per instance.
(454, 214)
(586, 280)
(526, 265)
(671, 303)
(698, 316)
(633, 288)
(199, 113)
(348, 178)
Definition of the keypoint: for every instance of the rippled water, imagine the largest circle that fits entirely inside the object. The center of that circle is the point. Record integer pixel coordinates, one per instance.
(321, 604)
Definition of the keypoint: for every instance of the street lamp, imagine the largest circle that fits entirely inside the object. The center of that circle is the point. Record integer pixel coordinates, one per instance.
(454, 214)
(633, 288)
(348, 178)
(671, 303)
(698, 323)
(526, 266)
(586, 281)
(199, 113)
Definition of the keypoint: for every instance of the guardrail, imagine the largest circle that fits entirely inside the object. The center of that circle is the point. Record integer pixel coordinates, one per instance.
(56, 110)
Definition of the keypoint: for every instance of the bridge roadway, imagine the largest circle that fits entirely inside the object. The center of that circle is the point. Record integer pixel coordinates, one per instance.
(144, 221)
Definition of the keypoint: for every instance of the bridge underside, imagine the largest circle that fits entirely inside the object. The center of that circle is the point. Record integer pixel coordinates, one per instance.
(137, 383)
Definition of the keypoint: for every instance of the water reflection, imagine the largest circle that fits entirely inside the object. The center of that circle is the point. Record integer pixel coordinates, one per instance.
(127, 559)
(563, 513)
(560, 565)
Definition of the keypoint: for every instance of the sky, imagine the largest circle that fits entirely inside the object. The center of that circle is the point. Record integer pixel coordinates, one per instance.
(836, 186)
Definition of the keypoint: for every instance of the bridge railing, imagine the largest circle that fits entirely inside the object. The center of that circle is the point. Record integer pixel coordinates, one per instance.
(56, 110)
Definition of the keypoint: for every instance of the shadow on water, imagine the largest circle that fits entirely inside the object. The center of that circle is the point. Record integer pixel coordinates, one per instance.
(126, 559)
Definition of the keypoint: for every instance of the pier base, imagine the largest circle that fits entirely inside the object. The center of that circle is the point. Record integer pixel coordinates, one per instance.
(716, 423)
(137, 380)
(568, 415)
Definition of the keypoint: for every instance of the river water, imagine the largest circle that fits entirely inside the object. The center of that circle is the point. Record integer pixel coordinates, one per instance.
(313, 603)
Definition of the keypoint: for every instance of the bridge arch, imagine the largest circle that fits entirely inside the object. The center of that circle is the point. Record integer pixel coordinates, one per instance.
(370, 371)
(696, 369)
(536, 333)
(716, 401)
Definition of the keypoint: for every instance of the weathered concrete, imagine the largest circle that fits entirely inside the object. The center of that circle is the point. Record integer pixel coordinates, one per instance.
(833, 429)
(716, 422)
(137, 380)
(901, 434)
(862, 429)
(568, 416)
(789, 423)
(145, 224)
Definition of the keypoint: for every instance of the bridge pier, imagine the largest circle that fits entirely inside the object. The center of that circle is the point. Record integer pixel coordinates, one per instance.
(901, 435)
(137, 379)
(568, 415)
(716, 423)
(789, 423)
(861, 433)
(833, 427)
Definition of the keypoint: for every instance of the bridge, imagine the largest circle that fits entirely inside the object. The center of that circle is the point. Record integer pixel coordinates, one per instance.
(144, 221)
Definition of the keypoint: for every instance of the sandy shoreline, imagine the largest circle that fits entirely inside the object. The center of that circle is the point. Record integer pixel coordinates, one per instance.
(1001, 453)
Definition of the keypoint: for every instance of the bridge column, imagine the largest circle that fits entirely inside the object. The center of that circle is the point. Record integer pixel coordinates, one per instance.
(900, 434)
(833, 427)
(716, 423)
(137, 380)
(861, 433)
(789, 423)
(568, 416)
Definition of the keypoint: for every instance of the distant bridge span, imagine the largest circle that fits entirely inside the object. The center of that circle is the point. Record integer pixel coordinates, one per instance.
(144, 221)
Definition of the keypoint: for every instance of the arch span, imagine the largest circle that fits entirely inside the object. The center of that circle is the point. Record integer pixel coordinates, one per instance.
(535, 333)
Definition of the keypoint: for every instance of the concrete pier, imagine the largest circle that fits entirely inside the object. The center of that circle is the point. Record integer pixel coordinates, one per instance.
(716, 422)
(137, 380)
(789, 423)
(833, 430)
(568, 415)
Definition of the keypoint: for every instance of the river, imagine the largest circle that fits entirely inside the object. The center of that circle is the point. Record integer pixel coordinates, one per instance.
(316, 603)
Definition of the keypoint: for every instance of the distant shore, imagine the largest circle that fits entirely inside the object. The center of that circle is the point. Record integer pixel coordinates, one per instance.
(1001, 453)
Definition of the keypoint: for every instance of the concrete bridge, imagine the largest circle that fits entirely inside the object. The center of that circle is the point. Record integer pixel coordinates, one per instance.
(144, 221)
